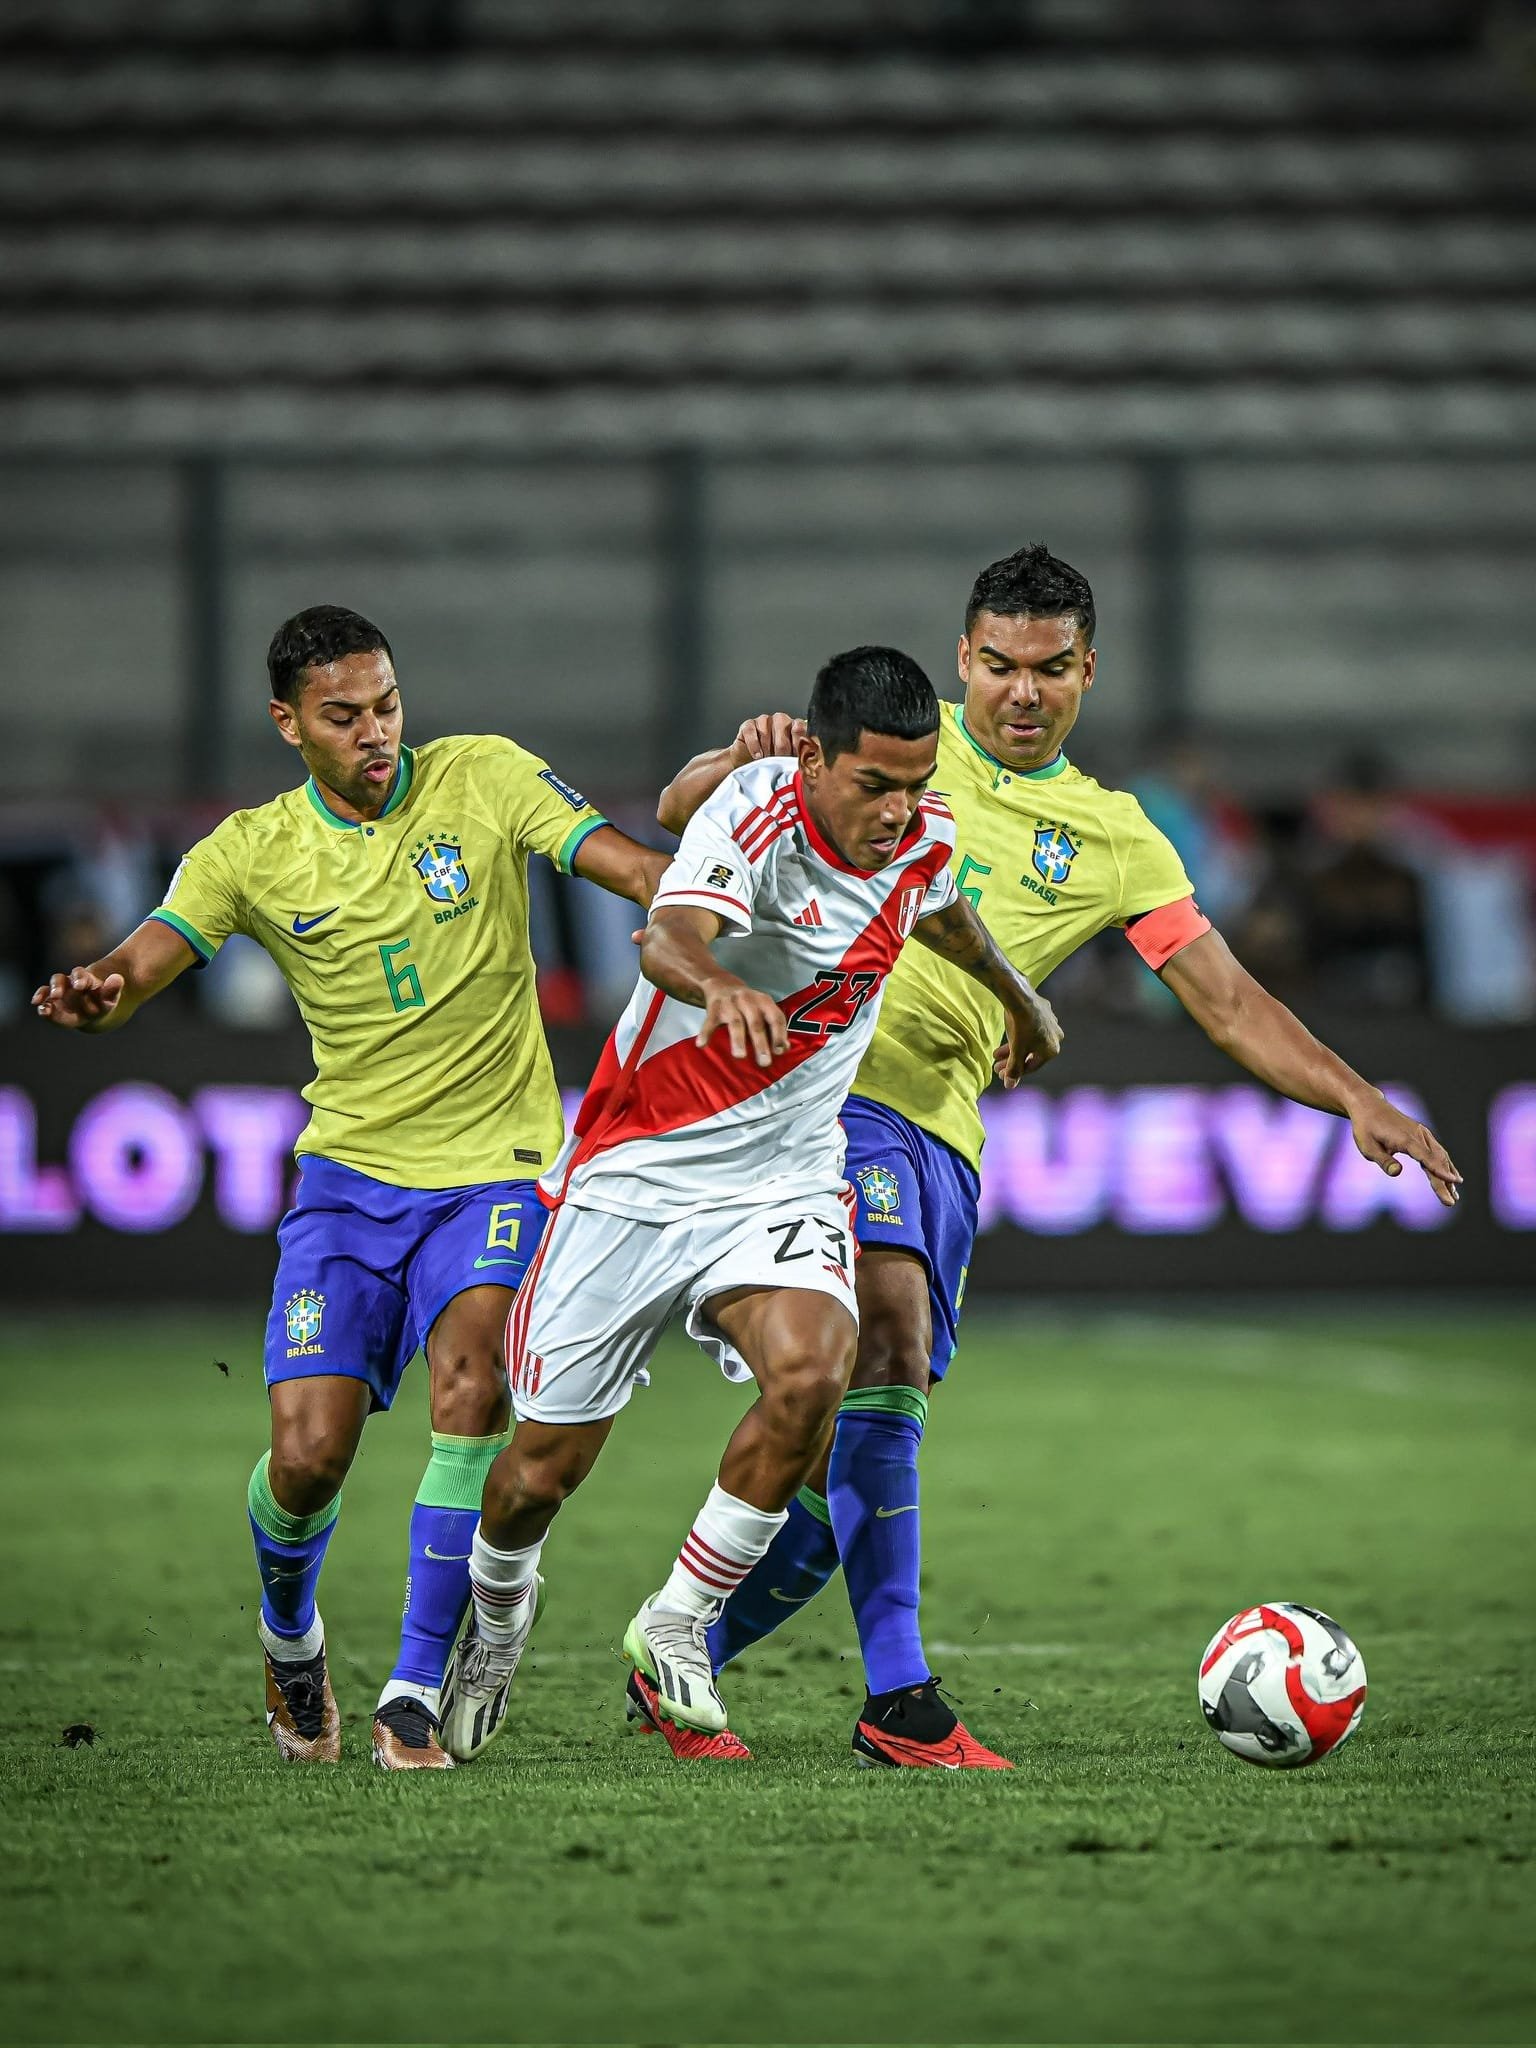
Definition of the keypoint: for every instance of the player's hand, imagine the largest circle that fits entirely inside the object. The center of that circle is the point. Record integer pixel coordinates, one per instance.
(1381, 1132)
(759, 739)
(753, 1022)
(77, 998)
(1034, 1036)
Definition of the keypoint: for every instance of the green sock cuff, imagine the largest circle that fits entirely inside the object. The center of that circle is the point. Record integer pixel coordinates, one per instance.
(815, 1504)
(455, 1474)
(908, 1401)
(275, 1520)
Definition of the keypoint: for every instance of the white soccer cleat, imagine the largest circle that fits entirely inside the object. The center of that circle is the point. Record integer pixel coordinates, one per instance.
(670, 1648)
(478, 1686)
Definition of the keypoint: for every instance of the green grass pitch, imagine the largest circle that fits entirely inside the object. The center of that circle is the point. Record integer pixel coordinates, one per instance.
(1102, 1492)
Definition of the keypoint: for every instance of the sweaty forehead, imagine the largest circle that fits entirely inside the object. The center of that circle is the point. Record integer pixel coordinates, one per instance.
(900, 760)
(357, 678)
(1023, 639)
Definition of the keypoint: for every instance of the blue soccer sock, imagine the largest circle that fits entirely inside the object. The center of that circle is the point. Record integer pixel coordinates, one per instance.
(290, 1550)
(437, 1587)
(872, 1492)
(794, 1568)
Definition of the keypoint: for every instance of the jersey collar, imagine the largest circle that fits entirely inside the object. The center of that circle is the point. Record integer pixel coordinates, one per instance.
(1001, 772)
(398, 791)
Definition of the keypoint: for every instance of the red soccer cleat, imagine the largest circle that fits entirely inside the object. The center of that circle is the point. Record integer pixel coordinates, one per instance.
(915, 1730)
(688, 1745)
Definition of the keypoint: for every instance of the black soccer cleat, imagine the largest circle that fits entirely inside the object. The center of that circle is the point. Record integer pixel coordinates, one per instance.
(301, 1710)
(405, 1737)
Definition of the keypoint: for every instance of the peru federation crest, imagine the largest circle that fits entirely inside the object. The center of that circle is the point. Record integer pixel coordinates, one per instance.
(1054, 852)
(879, 1187)
(303, 1315)
(440, 865)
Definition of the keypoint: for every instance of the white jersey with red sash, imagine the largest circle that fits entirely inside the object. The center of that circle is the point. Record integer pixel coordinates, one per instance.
(670, 1129)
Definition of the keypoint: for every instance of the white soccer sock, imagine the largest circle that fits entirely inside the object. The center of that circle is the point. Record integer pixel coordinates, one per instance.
(502, 1582)
(726, 1540)
(292, 1649)
(431, 1696)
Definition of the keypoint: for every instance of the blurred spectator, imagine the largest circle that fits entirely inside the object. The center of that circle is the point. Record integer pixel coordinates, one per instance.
(1367, 937)
(14, 986)
(1271, 933)
(1208, 831)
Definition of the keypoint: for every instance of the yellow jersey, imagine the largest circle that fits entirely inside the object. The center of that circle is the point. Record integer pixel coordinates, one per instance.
(405, 942)
(1049, 858)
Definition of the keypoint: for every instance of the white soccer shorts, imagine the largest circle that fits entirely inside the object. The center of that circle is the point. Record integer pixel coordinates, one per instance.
(603, 1288)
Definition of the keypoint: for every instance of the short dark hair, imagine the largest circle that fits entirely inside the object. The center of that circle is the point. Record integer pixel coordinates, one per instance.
(1032, 583)
(314, 638)
(870, 689)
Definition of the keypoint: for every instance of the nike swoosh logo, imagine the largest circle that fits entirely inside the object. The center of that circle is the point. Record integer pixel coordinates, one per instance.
(301, 925)
(493, 1262)
(885, 1514)
(789, 1599)
(448, 1556)
(299, 1574)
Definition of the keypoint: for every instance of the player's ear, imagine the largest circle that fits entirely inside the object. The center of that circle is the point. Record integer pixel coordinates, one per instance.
(812, 759)
(963, 657)
(1090, 663)
(286, 720)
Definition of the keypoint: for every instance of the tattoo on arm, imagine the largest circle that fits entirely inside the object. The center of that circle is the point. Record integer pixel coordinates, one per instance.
(958, 935)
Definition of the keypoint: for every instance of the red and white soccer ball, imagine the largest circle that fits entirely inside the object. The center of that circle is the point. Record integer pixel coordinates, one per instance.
(1282, 1685)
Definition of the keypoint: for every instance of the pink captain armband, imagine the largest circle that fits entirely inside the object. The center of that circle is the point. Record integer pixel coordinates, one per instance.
(1158, 934)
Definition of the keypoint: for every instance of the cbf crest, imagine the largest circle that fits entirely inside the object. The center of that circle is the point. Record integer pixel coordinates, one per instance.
(1054, 852)
(439, 862)
(304, 1318)
(880, 1188)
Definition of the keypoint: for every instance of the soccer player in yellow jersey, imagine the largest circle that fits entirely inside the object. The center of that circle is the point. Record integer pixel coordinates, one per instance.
(391, 890)
(1050, 858)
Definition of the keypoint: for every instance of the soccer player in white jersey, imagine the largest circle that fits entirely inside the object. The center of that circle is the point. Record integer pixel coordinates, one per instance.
(705, 1172)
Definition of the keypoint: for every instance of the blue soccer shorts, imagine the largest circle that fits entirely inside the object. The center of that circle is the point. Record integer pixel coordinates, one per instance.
(915, 1194)
(365, 1269)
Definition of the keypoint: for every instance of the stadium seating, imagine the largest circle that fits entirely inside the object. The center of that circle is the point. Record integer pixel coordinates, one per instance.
(1175, 222)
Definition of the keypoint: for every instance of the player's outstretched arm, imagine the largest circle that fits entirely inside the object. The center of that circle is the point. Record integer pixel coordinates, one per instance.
(958, 935)
(675, 957)
(1260, 1033)
(618, 863)
(774, 732)
(103, 996)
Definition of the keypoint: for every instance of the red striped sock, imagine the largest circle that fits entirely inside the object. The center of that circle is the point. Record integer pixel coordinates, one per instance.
(502, 1582)
(724, 1543)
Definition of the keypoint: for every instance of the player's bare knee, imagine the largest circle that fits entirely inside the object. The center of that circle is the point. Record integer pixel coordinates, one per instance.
(307, 1468)
(534, 1484)
(803, 1398)
(891, 1353)
(469, 1392)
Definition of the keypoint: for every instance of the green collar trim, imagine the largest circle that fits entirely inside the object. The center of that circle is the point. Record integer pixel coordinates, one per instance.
(1046, 774)
(399, 790)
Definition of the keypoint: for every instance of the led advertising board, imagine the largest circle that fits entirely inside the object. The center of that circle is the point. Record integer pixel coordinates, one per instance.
(157, 1163)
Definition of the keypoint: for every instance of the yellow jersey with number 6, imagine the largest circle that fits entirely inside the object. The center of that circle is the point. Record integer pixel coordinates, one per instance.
(405, 943)
(1049, 859)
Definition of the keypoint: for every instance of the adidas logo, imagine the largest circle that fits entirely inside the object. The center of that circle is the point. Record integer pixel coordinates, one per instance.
(810, 915)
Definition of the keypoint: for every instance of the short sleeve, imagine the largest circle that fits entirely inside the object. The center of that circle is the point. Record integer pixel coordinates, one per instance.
(1153, 873)
(710, 870)
(206, 899)
(1157, 900)
(940, 893)
(540, 811)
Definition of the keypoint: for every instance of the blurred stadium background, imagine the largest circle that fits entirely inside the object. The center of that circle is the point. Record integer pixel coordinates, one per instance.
(624, 357)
